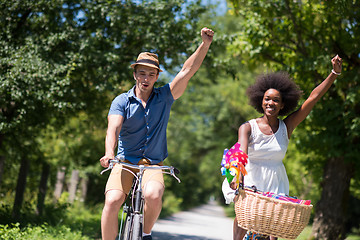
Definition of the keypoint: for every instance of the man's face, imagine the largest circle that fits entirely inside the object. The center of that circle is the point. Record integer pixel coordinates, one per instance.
(145, 77)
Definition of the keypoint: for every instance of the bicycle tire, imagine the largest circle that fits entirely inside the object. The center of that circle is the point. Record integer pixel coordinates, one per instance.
(126, 229)
(137, 227)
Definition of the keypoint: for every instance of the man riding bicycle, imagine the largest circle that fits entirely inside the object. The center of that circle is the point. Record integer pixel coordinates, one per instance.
(137, 122)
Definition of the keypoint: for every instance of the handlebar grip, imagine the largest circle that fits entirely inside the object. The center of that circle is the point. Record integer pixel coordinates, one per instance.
(176, 171)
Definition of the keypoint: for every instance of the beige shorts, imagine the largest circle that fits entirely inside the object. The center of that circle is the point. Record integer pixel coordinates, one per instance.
(121, 179)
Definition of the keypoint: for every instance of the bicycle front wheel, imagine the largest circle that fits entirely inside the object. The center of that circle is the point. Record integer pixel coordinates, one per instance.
(137, 227)
(126, 224)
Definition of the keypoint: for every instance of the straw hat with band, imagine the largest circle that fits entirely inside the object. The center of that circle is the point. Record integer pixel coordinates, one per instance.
(147, 59)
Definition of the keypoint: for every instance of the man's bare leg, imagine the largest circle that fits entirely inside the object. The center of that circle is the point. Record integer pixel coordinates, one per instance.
(109, 218)
(153, 193)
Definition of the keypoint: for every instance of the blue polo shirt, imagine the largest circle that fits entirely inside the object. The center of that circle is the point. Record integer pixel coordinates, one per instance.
(143, 133)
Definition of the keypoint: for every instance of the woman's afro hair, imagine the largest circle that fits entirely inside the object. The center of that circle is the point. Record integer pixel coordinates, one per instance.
(281, 81)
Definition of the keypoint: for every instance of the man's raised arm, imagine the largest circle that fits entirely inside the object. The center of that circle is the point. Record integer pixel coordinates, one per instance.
(192, 64)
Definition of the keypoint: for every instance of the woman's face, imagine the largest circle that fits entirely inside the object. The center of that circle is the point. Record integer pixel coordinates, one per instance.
(272, 102)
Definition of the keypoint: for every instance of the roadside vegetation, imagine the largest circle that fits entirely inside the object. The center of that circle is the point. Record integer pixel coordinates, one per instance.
(63, 61)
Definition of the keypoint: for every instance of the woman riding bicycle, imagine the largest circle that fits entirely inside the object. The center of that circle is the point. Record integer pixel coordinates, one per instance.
(265, 139)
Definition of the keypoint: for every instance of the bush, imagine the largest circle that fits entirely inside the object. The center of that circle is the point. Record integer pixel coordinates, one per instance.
(14, 232)
(171, 204)
(59, 221)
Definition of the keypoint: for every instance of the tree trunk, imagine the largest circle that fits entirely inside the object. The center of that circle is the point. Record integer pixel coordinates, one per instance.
(42, 188)
(60, 176)
(73, 185)
(84, 187)
(20, 187)
(2, 164)
(2, 159)
(330, 211)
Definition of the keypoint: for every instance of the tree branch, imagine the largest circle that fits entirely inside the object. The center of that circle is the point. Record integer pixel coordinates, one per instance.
(300, 43)
(21, 22)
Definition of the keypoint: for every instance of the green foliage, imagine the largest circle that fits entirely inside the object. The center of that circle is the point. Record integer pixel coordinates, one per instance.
(62, 63)
(302, 179)
(217, 102)
(171, 204)
(84, 219)
(53, 214)
(78, 221)
(35, 80)
(301, 37)
(44, 231)
(80, 138)
(61, 56)
(205, 121)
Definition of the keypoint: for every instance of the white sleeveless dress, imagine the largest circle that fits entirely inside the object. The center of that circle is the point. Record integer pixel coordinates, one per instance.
(266, 153)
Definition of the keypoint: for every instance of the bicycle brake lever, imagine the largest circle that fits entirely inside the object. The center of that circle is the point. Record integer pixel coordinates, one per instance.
(173, 172)
(179, 181)
(107, 169)
(111, 165)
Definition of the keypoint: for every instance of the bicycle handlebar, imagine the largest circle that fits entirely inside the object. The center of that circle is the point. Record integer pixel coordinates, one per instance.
(172, 170)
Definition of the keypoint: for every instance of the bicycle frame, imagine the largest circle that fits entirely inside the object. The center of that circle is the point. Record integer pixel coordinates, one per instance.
(131, 227)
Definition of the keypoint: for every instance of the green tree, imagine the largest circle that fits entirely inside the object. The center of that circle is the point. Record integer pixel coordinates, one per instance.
(205, 120)
(301, 37)
(60, 57)
(203, 123)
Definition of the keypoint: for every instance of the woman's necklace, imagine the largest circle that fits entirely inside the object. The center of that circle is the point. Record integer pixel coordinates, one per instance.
(271, 129)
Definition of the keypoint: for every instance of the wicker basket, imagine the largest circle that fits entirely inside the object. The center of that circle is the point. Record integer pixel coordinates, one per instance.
(270, 216)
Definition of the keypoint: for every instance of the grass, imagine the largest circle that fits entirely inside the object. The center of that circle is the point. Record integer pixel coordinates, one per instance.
(306, 233)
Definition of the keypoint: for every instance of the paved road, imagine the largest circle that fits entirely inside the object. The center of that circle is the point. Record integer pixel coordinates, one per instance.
(207, 222)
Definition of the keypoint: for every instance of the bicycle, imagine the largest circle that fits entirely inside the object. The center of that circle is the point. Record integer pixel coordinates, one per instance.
(131, 225)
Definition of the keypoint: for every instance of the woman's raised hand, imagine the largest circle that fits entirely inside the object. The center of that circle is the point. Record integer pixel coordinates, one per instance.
(337, 63)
